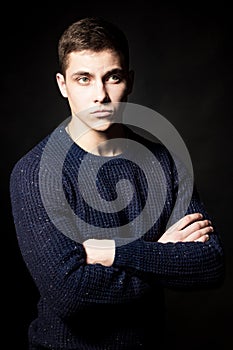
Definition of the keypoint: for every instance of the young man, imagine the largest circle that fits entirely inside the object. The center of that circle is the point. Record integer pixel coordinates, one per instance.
(100, 270)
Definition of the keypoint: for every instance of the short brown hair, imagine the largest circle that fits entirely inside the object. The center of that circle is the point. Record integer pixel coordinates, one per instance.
(95, 34)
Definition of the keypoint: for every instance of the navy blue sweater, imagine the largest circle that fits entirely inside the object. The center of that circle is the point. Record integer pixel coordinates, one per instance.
(84, 306)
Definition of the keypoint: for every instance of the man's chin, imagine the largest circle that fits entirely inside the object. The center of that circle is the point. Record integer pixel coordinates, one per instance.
(103, 125)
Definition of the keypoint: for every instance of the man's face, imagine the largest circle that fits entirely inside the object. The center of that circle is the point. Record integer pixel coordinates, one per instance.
(94, 84)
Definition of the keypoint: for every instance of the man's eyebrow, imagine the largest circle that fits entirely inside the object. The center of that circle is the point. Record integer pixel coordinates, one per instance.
(81, 73)
(115, 70)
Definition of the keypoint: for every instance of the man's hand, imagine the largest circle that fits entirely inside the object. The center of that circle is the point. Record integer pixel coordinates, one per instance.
(190, 228)
(100, 251)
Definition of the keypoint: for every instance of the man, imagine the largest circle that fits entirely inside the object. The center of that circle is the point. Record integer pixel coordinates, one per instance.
(99, 254)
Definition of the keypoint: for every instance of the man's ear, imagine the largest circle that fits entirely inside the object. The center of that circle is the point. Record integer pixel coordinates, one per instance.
(61, 84)
(130, 81)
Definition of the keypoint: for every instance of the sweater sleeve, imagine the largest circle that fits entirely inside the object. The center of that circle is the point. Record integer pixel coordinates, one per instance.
(180, 264)
(55, 261)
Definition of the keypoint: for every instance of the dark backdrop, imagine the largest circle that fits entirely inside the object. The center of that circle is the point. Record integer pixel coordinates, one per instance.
(183, 58)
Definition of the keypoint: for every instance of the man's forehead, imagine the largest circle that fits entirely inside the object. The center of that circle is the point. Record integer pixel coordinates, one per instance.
(90, 61)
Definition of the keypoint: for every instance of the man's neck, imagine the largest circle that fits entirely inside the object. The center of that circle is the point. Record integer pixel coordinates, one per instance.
(103, 143)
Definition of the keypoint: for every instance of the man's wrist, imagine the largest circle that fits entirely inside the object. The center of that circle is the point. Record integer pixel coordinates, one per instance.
(100, 251)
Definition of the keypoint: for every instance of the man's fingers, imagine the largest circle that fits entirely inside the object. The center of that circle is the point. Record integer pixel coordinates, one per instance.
(196, 226)
(190, 228)
(203, 238)
(188, 219)
(185, 221)
(199, 235)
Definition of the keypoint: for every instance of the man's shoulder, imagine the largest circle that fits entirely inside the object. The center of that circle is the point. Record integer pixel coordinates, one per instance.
(47, 152)
(30, 160)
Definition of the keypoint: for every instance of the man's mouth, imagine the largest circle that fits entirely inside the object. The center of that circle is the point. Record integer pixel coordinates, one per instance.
(102, 113)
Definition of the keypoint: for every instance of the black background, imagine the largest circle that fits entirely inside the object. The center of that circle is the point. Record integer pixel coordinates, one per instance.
(183, 59)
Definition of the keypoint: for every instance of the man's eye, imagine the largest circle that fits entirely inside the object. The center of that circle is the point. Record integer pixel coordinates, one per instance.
(83, 80)
(114, 78)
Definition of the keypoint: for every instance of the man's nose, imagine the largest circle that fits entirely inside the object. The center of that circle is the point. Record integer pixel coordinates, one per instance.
(100, 93)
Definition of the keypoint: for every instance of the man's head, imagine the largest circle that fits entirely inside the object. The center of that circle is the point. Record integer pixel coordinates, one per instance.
(94, 34)
(94, 71)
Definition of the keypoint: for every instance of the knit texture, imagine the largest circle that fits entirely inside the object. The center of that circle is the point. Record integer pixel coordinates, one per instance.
(84, 306)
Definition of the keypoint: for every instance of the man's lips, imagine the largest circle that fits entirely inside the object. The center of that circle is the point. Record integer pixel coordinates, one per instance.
(102, 113)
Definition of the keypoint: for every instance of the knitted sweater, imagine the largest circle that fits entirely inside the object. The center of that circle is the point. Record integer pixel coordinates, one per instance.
(90, 306)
